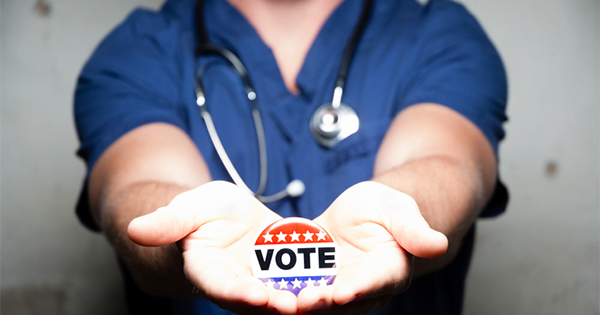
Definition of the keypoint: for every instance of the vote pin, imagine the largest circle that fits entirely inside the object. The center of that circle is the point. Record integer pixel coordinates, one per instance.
(294, 253)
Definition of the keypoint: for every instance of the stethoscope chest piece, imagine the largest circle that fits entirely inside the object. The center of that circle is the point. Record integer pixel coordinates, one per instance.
(331, 124)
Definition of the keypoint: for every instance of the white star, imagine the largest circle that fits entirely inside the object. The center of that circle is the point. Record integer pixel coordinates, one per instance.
(268, 237)
(283, 284)
(321, 235)
(270, 284)
(323, 282)
(297, 283)
(295, 236)
(281, 237)
(308, 236)
(310, 283)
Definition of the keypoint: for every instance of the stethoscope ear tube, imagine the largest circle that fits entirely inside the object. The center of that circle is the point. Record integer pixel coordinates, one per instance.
(238, 66)
(234, 61)
(214, 137)
(212, 131)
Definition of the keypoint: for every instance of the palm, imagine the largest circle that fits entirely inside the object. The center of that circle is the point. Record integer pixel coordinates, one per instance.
(216, 226)
(369, 258)
(372, 267)
(374, 227)
(217, 255)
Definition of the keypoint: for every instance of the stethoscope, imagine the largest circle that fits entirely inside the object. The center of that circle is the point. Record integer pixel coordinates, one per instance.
(330, 123)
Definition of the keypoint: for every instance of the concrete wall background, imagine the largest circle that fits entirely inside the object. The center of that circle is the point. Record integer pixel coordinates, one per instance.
(541, 257)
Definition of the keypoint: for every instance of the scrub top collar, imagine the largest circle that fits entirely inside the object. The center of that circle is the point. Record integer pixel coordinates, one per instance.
(227, 27)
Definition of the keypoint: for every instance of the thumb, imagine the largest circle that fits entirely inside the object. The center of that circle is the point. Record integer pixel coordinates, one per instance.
(163, 226)
(169, 224)
(412, 231)
(188, 211)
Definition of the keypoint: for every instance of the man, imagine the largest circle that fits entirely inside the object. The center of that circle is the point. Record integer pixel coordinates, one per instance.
(429, 90)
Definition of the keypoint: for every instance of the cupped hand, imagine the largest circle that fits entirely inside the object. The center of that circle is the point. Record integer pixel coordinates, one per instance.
(216, 226)
(378, 230)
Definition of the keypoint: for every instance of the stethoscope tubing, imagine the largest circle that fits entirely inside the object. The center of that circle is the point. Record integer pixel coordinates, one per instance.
(214, 135)
(294, 188)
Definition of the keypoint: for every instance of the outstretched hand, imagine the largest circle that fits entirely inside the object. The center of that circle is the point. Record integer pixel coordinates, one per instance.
(216, 226)
(377, 229)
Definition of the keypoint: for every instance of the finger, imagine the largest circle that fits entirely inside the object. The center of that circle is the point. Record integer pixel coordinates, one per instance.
(283, 302)
(222, 279)
(387, 270)
(381, 272)
(190, 210)
(164, 226)
(410, 229)
(362, 307)
(288, 306)
(313, 299)
(227, 282)
(318, 300)
(245, 294)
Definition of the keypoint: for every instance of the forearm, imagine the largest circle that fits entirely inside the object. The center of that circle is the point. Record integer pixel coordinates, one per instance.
(156, 270)
(450, 195)
(139, 173)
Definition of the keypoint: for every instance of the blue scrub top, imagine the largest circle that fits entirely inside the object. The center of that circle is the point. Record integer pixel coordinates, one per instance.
(144, 72)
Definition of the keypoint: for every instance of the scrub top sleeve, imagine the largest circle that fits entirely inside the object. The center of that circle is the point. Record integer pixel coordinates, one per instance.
(130, 80)
(457, 66)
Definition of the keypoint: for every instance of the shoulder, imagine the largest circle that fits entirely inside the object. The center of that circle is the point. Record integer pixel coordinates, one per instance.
(148, 52)
(449, 18)
(411, 19)
(138, 74)
(443, 56)
(143, 32)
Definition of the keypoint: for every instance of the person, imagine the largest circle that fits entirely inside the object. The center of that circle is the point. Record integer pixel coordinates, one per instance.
(400, 195)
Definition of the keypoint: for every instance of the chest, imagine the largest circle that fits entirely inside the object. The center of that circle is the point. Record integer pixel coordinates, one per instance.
(372, 90)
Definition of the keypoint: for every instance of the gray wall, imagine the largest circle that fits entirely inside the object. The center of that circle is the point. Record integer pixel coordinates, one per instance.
(541, 257)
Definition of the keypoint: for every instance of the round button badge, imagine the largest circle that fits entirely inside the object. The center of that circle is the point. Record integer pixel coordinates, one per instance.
(294, 253)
